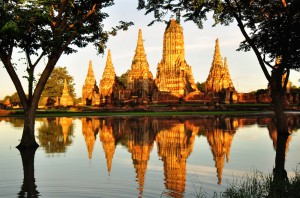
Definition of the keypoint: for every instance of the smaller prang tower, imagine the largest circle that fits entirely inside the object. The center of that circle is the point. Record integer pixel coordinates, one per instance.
(90, 90)
(218, 77)
(108, 79)
(140, 77)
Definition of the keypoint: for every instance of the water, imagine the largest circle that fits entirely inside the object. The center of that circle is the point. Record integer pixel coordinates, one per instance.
(140, 156)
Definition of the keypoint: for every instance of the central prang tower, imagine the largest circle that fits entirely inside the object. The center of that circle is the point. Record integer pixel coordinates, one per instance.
(174, 75)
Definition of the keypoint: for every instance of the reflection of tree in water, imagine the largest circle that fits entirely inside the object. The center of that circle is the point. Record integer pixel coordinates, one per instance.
(28, 188)
(55, 134)
(16, 122)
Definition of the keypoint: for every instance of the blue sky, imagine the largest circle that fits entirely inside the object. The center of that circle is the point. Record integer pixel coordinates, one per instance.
(199, 47)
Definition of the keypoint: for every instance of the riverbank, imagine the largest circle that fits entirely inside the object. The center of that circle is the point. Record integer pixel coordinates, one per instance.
(151, 110)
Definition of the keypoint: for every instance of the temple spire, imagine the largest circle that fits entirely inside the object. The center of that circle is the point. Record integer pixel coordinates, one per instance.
(218, 77)
(139, 76)
(109, 64)
(108, 77)
(90, 70)
(140, 50)
(90, 89)
(66, 99)
(217, 60)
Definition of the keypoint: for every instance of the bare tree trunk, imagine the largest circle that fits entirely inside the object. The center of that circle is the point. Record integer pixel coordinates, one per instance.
(28, 137)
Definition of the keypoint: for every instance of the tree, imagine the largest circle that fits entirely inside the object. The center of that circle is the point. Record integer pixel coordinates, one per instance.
(201, 86)
(270, 29)
(43, 29)
(55, 83)
(14, 99)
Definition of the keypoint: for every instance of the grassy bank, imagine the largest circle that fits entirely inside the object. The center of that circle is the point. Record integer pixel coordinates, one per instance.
(151, 110)
(258, 185)
(64, 112)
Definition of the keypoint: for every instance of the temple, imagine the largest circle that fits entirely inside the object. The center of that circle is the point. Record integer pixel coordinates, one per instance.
(139, 78)
(66, 99)
(174, 75)
(174, 82)
(218, 77)
(219, 80)
(108, 79)
(90, 91)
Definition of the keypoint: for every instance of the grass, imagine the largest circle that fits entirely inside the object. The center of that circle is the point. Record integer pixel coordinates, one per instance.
(257, 185)
(65, 112)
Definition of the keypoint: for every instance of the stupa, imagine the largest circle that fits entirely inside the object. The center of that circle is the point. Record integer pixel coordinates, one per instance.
(219, 77)
(174, 75)
(90, 91)
(108, 78)
(139, 76)
(66, 99)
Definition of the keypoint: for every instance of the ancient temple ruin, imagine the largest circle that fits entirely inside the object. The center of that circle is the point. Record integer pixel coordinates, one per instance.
(108, 80)
(218, 77)
(90, 91)
(66, 99)
(219, 80)
(174, 75)
(139, 78)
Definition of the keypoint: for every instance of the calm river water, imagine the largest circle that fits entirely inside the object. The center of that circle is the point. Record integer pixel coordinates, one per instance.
(140, 156)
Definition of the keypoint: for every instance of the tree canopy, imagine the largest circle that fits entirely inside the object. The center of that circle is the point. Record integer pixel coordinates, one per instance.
(47, 29)
(269, 26)
(55, 83)
(270, 29)
(44, 30)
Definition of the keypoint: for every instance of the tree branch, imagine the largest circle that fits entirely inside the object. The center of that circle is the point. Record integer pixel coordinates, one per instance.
(266, 62)
(6, 60)
(248, 39)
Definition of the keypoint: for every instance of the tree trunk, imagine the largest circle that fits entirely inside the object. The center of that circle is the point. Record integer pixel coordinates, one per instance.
(278, 92)
(28, 137)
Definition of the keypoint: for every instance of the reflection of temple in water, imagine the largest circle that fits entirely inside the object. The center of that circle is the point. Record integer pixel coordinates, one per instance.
(175, 143)
(90, 128)
(174, 139)
(139, 141)
(108, 141)
(219, 134)
(66, 124)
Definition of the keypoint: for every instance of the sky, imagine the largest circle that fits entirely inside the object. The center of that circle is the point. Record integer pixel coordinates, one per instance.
(244, 69)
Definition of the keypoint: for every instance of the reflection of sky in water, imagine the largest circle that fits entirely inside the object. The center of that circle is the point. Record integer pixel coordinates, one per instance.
(72, 173)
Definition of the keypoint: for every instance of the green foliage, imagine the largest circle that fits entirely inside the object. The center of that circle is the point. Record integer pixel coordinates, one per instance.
(43, 28)
(14, 99)
(258, 184)
(261, 91)
(55, 83)
(272, 26)
(122, 80)
(201, 86)
(295, 89)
